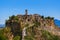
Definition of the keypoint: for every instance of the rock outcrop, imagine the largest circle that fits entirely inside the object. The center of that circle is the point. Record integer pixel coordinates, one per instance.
(19, 22)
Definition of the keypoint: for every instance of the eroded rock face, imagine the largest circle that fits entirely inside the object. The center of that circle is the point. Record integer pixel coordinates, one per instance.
(17, 23)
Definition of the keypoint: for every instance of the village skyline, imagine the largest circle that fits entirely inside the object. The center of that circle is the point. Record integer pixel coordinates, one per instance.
(41, 7)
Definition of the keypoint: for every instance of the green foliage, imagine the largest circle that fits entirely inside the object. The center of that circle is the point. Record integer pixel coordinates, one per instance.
(27, 25)
(13, 17)
(56, 38)
(7, 30)
(49, 17)
(2, 37)
(42, 16)
(52, 18)
(36, 24)
(49, 36)
(17, 38)
(28, 38)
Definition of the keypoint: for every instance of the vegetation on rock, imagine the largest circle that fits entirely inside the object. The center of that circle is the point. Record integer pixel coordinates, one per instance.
(29, 27)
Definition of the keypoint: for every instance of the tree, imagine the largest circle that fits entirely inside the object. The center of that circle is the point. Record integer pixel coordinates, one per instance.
(47, 17)
(42, 16)
(11, 17)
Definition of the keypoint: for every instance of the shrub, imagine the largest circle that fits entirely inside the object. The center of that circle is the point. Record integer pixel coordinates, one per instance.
(17, 38)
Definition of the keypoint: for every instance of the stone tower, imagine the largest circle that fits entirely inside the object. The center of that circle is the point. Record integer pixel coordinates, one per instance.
(26, 12)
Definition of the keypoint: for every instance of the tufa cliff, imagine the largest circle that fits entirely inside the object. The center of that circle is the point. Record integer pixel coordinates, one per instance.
(31, 25)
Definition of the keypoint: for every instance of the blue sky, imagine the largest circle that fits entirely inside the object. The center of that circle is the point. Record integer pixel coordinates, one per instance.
(41, 7)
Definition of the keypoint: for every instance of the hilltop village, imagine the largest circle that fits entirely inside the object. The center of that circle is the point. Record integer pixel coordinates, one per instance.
(26, 25)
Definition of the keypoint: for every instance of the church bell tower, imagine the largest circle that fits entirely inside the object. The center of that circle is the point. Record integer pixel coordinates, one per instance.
(26, 12)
